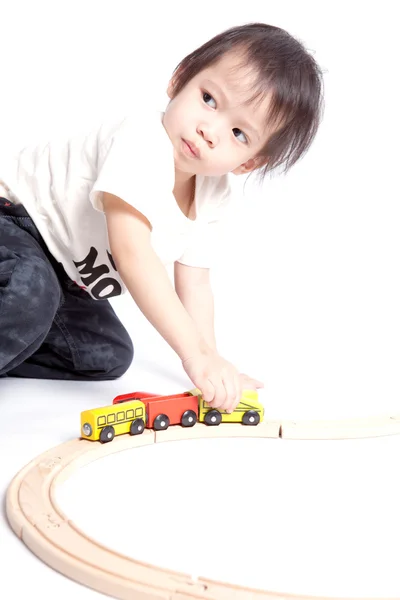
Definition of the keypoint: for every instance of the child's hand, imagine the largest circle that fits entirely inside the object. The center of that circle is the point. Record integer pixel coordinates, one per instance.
(248, 383)
(218, 380)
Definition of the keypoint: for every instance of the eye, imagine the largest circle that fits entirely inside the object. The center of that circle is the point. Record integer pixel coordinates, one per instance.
(235, 129)
(207, 98)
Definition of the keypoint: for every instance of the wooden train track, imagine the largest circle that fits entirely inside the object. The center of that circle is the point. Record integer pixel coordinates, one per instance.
(38, 521)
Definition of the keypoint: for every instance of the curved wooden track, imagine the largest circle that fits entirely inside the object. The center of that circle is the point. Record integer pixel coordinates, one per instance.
(39, 522)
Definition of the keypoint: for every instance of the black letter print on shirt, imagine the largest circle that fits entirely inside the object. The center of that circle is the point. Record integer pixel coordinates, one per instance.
(95, 272)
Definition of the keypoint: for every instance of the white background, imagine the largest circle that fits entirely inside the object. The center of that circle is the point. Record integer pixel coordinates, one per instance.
(307, 299)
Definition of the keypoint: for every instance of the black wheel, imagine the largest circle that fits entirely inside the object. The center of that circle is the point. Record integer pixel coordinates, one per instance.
(161, 422)
(189, 418)
(213, 417)
(251, 417)
(107, 434)
(137, 427)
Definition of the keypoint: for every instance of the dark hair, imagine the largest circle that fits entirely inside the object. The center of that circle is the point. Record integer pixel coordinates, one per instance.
(286, 69)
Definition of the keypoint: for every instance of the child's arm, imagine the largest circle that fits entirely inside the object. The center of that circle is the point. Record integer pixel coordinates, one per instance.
(193, 287)
(147, 279)
(149, 285)
(192, 284)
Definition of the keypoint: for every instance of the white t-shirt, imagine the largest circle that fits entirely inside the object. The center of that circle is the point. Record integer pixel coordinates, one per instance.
(60, 183)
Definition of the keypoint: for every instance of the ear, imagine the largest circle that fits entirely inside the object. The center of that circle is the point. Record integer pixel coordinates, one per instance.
(170, 87)
(172, 83)
(250, 165)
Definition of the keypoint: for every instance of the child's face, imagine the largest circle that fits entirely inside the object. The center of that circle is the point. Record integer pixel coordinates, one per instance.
(208, 113)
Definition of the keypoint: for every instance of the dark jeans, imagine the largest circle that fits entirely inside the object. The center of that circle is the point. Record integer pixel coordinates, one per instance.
(49, 327)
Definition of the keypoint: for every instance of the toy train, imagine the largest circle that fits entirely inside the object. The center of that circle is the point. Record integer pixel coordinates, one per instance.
(141, 410)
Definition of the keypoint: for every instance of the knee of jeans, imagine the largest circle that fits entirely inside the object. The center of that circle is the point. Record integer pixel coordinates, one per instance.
(45, 293)
(29, 288)
(109, 358)
(123, 355)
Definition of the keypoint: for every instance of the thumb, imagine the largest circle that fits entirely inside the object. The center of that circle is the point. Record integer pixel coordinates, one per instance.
(249, 382)
(258, 384)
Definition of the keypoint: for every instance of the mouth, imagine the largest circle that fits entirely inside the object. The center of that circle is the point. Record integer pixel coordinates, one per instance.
(191, 149)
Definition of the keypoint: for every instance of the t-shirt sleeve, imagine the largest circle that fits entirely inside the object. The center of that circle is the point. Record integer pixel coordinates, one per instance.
(205, 246)
(126, 171)
(209, 237)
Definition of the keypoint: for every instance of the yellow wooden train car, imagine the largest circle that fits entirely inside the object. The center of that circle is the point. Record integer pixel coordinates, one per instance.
(102, 424)
(249, 411)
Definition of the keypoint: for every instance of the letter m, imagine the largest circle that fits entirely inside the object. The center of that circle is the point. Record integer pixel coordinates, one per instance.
(92, 272)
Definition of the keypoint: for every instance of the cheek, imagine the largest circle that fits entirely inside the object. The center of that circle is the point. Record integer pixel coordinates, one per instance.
(181, 115)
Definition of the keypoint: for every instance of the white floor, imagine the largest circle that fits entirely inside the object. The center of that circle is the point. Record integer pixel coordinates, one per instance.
(305, 517)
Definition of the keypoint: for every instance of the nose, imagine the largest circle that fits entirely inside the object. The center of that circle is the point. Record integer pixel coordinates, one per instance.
(209, 135)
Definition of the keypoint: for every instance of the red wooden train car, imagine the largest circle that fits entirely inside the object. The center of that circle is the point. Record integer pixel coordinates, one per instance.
(163, 411)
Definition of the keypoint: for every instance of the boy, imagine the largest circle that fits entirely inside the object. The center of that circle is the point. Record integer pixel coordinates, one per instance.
(71, 216)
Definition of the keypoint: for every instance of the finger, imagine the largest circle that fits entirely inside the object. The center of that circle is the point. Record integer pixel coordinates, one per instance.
(231, 390)
(254, 383)
(207, 391)
(239, 391)
(220, 394)
(235, 394)
(250, 382)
